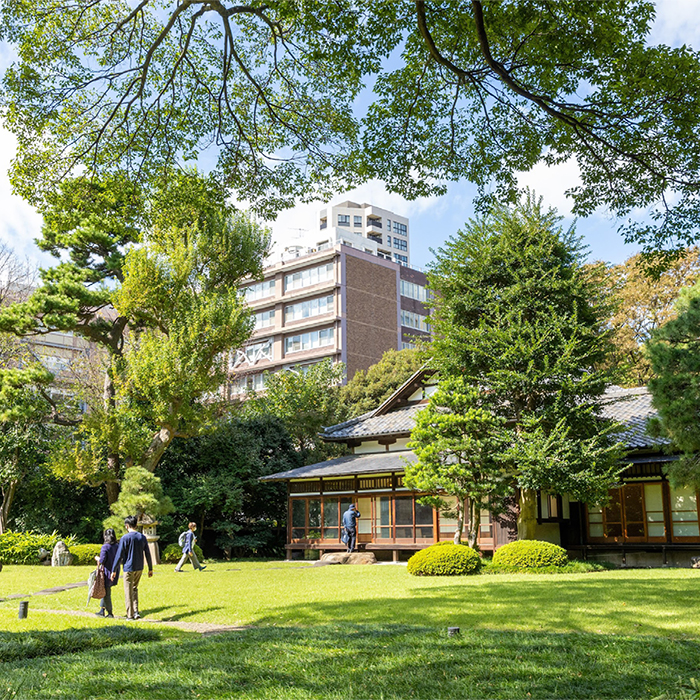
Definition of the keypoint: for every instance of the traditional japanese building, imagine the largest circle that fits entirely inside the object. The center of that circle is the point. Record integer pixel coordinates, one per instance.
(645, 523)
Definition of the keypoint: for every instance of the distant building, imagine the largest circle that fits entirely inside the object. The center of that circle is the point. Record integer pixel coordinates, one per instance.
(345, 297)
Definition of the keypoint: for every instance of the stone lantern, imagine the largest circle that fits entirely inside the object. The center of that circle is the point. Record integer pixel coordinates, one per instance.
(148, 527)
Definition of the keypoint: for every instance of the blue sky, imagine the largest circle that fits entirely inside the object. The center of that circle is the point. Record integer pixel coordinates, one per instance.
(432, 220)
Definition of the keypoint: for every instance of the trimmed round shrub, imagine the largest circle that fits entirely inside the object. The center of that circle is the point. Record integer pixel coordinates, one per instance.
(444, 559)
(530, 554)
(84, 554)
(172, 553)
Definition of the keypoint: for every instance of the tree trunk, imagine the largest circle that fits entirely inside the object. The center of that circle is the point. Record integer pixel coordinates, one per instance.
(527, 517)
(474, 523)
(159, 443)
(8, 495)
(460, 522)
(112, 491)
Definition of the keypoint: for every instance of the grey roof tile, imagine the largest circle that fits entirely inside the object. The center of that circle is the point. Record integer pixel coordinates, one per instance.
(399, 421)
(351, 464)
(632, 407)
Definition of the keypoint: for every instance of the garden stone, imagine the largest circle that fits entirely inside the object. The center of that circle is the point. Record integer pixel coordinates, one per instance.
(334, 558)
(44, 555)
(361, 558)
(695, 562)
(61, 555)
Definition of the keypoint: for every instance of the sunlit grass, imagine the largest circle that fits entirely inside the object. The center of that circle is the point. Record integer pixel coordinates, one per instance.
(374, 632)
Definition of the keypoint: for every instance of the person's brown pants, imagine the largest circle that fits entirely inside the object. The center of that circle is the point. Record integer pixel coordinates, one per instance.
(131, 592)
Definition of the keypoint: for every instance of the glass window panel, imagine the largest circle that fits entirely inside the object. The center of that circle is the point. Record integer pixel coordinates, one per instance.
(595, 517)
(553, 506)
(635, 529)
(330, 512)
(683, 515)
(653, 497)
(634, 507)
(424, 514)
(613, 529)
(404, 533)
(544, 506)
(656, 530)
(385, 510)
(655, 517)
(299, 512)
(364, 524)
(596, 530)
(686, 530)
(404, 511)
(613, 510)
(330, 533)
(298, 533)
(315, 512)
(424, 532)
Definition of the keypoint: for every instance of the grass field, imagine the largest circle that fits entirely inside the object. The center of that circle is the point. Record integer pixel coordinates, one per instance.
(374, 632)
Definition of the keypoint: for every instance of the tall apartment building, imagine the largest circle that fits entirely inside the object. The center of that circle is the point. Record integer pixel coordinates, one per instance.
(342, 297)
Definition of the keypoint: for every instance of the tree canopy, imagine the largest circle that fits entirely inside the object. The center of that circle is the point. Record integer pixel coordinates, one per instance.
(673, 351)
(153, 283)
(518, 315)
(369, 388)
(644, 303)
(479, 90)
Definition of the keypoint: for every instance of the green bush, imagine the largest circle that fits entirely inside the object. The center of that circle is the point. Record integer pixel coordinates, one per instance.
(23, 547)
(84, 554)
(530, 554)
(444, 559)
(172, 553)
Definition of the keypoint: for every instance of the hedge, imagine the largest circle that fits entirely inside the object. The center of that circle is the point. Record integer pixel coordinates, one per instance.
(172, 553)
(23, 547)
(444, 559)
(530, 554)
(84, 554)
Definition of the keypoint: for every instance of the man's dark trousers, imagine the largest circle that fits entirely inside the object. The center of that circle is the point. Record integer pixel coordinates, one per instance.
(352, 538)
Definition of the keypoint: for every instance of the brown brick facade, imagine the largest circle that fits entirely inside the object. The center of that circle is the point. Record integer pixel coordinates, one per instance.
(370, 312)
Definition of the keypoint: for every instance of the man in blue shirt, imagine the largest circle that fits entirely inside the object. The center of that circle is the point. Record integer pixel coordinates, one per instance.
(132, 548)
(350, 517)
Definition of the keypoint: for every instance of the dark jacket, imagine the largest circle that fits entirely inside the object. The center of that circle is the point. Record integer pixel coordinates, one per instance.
(189, 542)
(132, 548)
(349, 518)
(107, 555)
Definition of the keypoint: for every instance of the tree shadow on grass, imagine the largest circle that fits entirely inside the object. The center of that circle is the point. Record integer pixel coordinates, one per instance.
(562, 605)
(370, 661)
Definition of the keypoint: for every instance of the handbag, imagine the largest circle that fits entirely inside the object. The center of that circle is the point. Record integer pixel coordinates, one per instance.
(99, 587)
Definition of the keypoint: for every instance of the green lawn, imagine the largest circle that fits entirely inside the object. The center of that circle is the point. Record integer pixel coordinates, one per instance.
(372, 632)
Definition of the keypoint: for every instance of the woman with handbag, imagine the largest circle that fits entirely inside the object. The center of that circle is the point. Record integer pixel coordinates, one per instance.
(105, 564)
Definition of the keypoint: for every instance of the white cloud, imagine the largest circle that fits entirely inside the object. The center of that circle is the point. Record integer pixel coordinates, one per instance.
(20, 223)
(676, 23)
(551, 183)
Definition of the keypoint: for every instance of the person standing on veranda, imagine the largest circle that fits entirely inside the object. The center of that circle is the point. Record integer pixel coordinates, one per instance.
(132, 548)
(350, 517)
(188, 550)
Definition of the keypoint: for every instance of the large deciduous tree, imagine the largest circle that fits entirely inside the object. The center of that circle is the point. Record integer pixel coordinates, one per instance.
(306, 400)
(644, 303)
(369, 388)
(155, 287)
(477, 90)
(459, 442)
(517, 314)
(674, 353)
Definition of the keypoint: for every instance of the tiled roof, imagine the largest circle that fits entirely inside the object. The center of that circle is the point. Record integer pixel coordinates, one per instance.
(352, 464)
(629, 406)
(397, 422)
(632, 408)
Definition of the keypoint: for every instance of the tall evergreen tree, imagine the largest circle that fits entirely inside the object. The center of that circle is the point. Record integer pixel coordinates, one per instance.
(516, 313)
(674, 353)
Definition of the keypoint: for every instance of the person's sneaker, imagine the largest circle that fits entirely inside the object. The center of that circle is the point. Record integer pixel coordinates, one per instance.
(178, 571)
(137, 617)
(100, 613)
(201, 568)
(110, 615)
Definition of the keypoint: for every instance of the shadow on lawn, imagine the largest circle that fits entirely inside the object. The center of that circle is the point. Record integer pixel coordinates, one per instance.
(585, 605)
(371, 661)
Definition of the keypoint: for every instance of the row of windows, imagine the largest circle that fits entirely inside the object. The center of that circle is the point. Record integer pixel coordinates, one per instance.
(399, 243)
(413, 320)
(309, 341)
(413, 291)
(308, 309)
(308, 277)
(636, 512)
(251, 382)
(260, 290)
(264, 319)
(401, 259)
